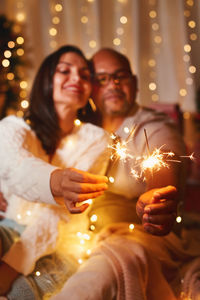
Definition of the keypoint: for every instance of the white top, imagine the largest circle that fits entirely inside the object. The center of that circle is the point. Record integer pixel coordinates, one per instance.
(25, 174)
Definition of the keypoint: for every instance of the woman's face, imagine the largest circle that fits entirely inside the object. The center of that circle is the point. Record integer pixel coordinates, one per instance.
(71, 83)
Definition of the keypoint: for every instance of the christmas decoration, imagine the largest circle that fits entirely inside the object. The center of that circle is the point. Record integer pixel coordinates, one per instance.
(12, 66)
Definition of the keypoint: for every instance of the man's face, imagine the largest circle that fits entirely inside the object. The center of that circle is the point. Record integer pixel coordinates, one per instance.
(113, 95)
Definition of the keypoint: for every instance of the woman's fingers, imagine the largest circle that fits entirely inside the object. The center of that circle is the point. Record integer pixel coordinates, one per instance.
(84, 177)
(83, 188)
(74, 198)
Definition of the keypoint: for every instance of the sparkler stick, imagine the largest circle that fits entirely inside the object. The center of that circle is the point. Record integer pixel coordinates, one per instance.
(147, 143)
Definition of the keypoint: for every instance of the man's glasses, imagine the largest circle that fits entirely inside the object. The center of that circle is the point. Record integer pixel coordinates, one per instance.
(117, 77)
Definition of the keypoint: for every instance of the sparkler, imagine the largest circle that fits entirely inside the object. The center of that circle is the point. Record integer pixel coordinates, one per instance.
(152, 162)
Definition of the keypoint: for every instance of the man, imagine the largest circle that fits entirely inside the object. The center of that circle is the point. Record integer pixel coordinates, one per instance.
(130, 263)
(114, 93)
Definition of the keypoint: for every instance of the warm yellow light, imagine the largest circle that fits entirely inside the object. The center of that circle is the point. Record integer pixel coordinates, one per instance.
(187, 48)
(157, 39)
(86, 236)
(20, 113)
(20, 51)
(10, 76)
(17, 28)
(7, 53)
(52, 31)
(192, 69)
(5, 63)
(178, 219)
(192, 24)
(155, 97)
(88, 252)
(152, 86)
(77, 122)
(20, 40)
(126, 130)
(23, 84)
(82, 242)
(19, 217)
(84, 19)
(131, 226)
(24, 104)
(80, 261)
(20, 17)
(58, 7)
(92, 44)
(155, 26)
(93, 218)
(152, 62)
(89, 201)
(37, 273)
(23, 94)
(152, 14)
(123, 20)
(111, 179)
(92, 227)
(116, 41)
(190, 2)
(56, 20)
(11, 44)
(183, 92)
(193, 36)
(28, 213)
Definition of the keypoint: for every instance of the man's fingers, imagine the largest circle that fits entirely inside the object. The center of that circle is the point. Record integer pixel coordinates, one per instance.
(82, 176)
(165, 193)
(167, 219)
(168, 206)
(158, 230)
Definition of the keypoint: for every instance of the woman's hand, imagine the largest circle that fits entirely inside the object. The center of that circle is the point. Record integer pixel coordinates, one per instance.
(157, 209)
(76, 186)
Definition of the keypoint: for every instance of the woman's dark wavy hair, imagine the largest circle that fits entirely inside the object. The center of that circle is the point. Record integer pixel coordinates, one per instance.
(41, 114)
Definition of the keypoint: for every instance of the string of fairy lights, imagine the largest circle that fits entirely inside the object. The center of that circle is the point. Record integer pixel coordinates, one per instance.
(56, 9)
(157, 40)
(188, 48)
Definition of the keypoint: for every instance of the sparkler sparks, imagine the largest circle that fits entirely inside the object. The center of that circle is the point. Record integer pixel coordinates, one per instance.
(152, 162)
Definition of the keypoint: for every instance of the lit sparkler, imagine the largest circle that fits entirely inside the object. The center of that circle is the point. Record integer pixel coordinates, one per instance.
(152, 162)
(120, 149)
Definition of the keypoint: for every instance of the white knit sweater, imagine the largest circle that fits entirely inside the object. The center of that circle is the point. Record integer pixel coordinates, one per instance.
(24, 178)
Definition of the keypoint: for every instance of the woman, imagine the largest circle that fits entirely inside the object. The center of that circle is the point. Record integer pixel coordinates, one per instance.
(37, 154)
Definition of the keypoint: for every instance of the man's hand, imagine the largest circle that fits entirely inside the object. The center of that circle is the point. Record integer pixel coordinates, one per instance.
(157, 210)
(3, 204)
(76, 186)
